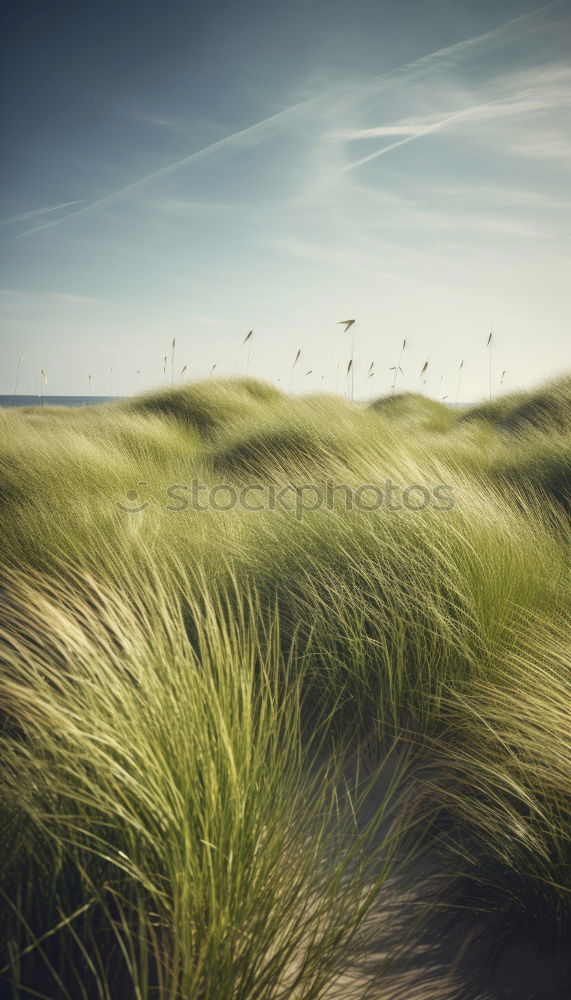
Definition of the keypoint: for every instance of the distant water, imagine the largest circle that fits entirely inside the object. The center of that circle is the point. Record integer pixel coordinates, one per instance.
(55, 400)
(94, 400)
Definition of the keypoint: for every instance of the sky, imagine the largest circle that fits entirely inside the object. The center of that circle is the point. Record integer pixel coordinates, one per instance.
(186, 171)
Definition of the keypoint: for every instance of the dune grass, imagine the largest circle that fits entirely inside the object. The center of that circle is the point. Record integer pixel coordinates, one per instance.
(196, 845)
(182, 689)
(547, 408)
(415, 410)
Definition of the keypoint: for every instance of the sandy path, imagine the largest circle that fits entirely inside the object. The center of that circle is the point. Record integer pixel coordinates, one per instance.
(409, 950)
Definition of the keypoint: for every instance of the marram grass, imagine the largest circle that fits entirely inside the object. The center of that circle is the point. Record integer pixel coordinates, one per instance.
(183, 692)
(181, 838)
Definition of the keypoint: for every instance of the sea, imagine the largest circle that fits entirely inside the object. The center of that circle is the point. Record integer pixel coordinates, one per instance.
(20, 400)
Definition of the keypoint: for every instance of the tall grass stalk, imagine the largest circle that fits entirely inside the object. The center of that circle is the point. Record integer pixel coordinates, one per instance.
(397, 368)
(460, 370)
(248, 340)
(17, 378)
(349, 324)
(295, 361)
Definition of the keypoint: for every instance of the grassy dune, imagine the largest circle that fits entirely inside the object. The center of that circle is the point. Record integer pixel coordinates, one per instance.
(188, 694)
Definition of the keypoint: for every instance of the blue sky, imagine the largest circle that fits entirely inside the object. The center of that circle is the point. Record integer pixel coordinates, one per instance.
(192, 172)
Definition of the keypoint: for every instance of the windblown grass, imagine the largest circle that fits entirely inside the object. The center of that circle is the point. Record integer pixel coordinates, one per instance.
(164, 822)
(181, 689)
(412, 409)
(211, 405)
(500, 770)
(547, 409)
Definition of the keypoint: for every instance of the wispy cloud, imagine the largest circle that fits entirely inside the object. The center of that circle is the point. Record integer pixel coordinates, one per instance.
(291, 116)
(87, 300)
(37, 212)
(243, 137)
(455, 54)
(167, 123)
(536, 90)
(494, 195)
(181, 207)
(542, 143)
(540, 95)
(42, 300)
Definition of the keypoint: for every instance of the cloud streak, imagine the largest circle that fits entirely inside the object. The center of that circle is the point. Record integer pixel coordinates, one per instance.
(259, 131)
(37, 212)
(522, 103)
(243, 137)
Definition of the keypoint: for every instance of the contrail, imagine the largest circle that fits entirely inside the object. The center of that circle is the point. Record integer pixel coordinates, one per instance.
(457, 48)
(39, 211)
(418, 134)
(418, 131)
(254, 133)
(246, 136)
